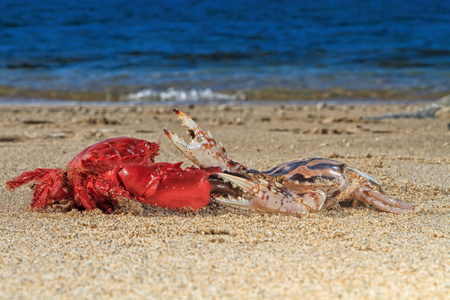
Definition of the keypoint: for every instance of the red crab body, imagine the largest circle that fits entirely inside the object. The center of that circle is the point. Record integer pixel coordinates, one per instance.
(119, 167)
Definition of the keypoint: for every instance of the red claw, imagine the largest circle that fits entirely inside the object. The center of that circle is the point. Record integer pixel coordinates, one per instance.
(168, 185)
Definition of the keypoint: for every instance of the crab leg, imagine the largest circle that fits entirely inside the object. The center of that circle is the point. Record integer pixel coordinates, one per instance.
(267, 197)
(385, 199)
(365, 189)
(202, 150)
(381, 201)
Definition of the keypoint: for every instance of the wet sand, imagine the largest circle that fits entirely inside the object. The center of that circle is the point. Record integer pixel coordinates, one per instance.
(220, 252)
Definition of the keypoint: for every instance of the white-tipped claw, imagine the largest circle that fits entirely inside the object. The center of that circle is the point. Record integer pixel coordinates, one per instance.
(263, 197)
(202, 150)
(246, 185)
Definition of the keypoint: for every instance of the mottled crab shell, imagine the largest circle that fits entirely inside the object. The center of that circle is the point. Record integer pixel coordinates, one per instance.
(305, 174)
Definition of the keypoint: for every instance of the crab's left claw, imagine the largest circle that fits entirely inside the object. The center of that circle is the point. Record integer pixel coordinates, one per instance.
(202, 150)
(270, 197)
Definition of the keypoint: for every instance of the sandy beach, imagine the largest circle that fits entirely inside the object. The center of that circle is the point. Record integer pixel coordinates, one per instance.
(220, 252)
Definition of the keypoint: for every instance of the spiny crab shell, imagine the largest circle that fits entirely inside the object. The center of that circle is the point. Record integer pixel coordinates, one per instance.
(117, 168)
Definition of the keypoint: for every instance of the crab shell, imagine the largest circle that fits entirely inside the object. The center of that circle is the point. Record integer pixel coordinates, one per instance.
(305, 174)
(119, 151)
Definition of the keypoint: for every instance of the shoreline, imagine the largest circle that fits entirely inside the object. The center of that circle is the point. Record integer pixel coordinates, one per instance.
(220, 252)
(272, 95)
(231, 103)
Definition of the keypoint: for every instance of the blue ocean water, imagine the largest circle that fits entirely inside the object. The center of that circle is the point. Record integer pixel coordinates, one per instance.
(199, 48)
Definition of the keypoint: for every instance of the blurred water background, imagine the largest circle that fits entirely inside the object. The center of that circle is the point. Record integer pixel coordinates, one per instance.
(198, 51)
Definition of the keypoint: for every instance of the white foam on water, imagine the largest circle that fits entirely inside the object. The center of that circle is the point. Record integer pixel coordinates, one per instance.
(173, 94)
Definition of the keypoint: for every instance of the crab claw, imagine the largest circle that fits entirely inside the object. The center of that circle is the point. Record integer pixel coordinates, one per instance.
(202, 150)
(269, 197)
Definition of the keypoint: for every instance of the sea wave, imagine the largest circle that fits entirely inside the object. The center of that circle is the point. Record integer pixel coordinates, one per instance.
(173, 94)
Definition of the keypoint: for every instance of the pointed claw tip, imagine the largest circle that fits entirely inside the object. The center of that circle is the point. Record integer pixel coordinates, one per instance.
(176, 110)
(238, 181)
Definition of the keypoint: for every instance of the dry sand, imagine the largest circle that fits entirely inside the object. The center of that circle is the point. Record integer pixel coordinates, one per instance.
(221, 252)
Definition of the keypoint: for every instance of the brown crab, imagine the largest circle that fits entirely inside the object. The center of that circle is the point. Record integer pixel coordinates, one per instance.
(292, 187)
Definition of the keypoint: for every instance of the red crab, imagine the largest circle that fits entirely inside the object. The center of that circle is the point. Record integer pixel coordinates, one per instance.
(119, 167)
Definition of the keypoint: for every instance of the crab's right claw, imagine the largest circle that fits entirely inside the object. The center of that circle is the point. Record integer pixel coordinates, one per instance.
(202, 150)
(269, 197)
